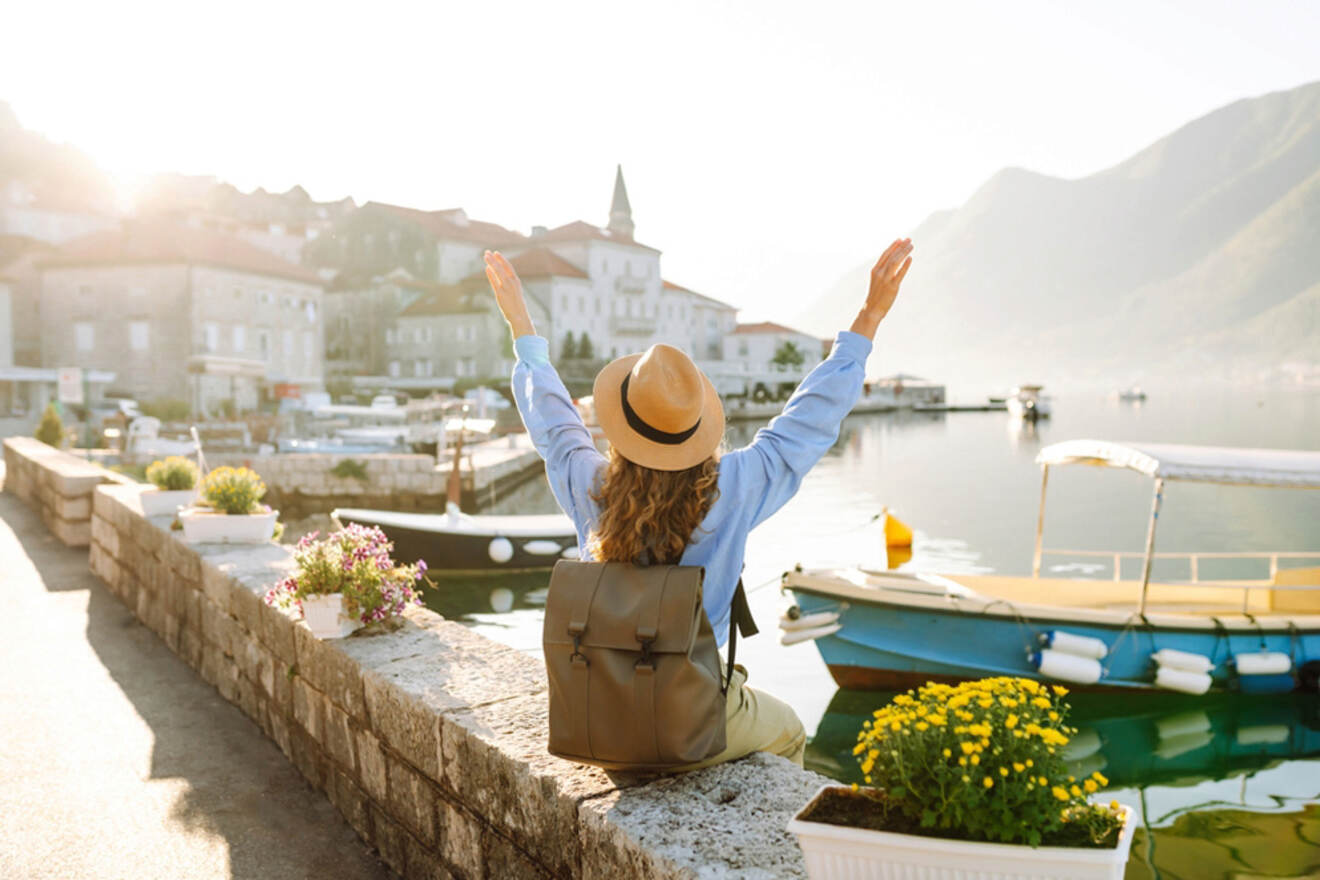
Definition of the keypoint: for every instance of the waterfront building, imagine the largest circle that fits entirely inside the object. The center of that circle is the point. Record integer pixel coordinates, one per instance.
(23, 213)
(764, 360)
(184, 313)
(909, 390)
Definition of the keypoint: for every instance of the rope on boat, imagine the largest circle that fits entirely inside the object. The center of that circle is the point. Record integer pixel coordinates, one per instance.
(1033, 636)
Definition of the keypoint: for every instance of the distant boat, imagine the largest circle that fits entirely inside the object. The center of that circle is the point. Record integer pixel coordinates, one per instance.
(1131, 395)
(878, 629)
(1027, 403)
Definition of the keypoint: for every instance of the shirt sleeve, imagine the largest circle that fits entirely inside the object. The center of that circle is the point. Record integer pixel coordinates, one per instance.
(770, 469)
(571, 458)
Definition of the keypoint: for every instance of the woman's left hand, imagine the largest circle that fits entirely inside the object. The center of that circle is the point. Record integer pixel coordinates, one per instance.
(509, 294)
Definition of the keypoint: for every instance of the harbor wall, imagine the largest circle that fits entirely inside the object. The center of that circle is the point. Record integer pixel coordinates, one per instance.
(57, 485)
(429, 738)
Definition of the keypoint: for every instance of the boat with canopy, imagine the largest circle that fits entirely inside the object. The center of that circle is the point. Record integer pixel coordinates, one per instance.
(880, 629)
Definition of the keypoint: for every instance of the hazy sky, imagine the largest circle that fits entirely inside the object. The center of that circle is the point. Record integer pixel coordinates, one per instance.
(768, 147)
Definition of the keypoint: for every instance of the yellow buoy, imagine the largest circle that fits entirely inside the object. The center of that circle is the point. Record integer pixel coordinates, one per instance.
(897, 533)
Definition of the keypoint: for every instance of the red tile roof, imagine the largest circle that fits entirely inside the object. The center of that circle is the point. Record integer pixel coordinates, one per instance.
(446, 224)
(579, 230)
(766, 327)
(542, 262)
(445, 299)
(160, 242)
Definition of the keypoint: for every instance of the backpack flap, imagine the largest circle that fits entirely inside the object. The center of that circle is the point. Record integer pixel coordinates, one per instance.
(660, 604)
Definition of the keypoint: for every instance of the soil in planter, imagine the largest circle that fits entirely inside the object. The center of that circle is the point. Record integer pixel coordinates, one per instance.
(872, 810)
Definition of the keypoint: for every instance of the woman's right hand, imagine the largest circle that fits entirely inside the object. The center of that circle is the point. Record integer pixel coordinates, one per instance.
(504, 282)
(886, 276)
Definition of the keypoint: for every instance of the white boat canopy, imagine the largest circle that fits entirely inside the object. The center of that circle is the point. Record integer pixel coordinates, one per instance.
(1285, 468)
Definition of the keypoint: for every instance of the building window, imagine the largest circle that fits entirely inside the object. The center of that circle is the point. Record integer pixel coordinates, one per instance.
(389, 335)
(137, 335)
(286, 344)
(394, 369)
(742, 348)
(263, 344)
(265, 297)
(240, 339)
(309, 351)
(210, 337)
(83, 335)
(417, 335)
(310, 309)
(426, 334)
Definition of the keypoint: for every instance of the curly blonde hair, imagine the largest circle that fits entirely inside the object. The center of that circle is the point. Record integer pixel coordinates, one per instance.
(648, 516)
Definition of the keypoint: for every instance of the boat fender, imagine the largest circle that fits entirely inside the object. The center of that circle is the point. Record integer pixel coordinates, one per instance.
(805, 635)
(1067, 667)
(1170, 678)
(542, 548)
(1263, 663)
(1084, 743)
(1171, 659)
(1170, 749)
(1068, 643)
(570, 553)
(808, 621)
(500, 550)
(1263, 735)
(1181, 724)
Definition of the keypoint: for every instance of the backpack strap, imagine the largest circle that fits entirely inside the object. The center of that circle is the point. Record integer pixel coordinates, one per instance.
(740, 618)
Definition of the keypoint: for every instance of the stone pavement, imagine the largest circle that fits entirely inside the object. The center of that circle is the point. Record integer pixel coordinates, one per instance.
(117, 761)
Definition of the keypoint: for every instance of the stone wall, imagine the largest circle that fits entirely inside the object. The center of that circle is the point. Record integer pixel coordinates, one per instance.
(301, 484)
(430, 739)
(57, 485)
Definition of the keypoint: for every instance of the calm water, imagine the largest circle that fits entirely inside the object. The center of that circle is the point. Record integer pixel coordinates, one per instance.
(1228, 789)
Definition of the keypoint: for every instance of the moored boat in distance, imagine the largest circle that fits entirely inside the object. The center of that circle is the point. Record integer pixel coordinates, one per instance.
(1133, 394)
(892, 630)
(1027, 403)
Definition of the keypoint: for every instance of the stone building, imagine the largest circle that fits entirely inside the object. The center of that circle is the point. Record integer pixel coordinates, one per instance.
(184, 313)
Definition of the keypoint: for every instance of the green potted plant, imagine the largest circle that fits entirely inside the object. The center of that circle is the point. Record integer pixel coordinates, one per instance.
(966, 781)
(347, 580)
(229, 509)
(173, 485)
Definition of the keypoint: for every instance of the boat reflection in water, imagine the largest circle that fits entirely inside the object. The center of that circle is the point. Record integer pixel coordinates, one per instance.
(1221, 781)
(505, 605)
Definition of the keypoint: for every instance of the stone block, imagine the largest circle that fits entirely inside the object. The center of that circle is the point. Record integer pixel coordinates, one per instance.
(150, 537)
(277, 633)
(406, 724)
(72, 533)
(727, 820)
(352, 803)
(105, 534)
(214, 621)
(338, 737)
(371, 767)
(245, 606)
(309, 708)
(494, 759)
(190, 647)
(331, 671)
(309, 758)
(500, 858)
(282, 686)
(170, 630)
(280, 730)
(390, 839)
(412, 800)
(461, 839)
(229, 677)
(248, 699)
(216, 584)
(183, 560)
(78, 507)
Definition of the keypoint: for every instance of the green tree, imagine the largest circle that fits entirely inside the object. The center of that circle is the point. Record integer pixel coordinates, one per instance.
(568, 351)
(586, 351)
(51, 429)
(788, 355)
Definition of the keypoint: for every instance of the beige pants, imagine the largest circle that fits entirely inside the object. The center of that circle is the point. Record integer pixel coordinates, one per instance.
(757, 722)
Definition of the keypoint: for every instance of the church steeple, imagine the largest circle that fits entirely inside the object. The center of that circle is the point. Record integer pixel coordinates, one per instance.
(621, 223)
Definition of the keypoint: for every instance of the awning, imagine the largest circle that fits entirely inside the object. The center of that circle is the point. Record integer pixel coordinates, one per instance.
(1287, 468)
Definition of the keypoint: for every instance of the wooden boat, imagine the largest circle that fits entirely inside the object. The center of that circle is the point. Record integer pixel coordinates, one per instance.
(1027, 403)
(893, 630)
(453, 541)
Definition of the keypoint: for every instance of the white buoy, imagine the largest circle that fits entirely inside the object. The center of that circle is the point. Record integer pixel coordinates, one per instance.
(1181, 724)
(1171, 659)
(1067, 667)
(808, 621)
(1173, 679)
(501, 599)
(570, 553)
(542, 548)
(500, 550)
(1068, 643)
(807, 635)
(1263, 663)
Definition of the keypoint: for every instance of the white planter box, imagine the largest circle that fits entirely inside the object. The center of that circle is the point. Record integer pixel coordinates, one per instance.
(203, 525)
(835, 852)
(160, 502)
(324, 616)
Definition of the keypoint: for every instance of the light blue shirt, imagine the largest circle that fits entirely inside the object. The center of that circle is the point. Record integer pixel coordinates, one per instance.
(754, 481)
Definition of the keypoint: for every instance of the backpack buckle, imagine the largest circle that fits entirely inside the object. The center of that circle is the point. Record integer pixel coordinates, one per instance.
(647, 660)
(577, 650)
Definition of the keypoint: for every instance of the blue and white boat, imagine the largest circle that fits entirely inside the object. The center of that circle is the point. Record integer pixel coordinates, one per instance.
(893, 630)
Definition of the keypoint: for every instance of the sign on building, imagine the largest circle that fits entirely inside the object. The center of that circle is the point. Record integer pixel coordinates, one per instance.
(69, 381)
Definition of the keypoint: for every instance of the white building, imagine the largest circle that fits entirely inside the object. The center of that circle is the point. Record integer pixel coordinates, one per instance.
(22, 214)
(765, 360)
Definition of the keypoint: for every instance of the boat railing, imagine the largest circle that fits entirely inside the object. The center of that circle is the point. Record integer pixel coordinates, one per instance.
(1194, 559)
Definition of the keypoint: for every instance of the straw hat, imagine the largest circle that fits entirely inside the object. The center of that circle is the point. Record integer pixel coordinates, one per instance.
(659, 410)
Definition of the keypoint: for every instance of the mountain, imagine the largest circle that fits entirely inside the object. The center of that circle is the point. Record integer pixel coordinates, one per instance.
(52, 175)
(1199, 256)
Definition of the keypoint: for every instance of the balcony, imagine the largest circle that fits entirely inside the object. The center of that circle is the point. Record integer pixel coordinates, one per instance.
(629, 326)
(629, 284)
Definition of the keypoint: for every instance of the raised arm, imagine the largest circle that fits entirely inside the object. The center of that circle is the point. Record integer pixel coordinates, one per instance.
(770, 470)
(547, 410)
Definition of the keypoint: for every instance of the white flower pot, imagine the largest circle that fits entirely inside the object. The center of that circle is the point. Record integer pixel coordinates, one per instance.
(324, 616)
(203, 525)
(162, 502)
(835, 852)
